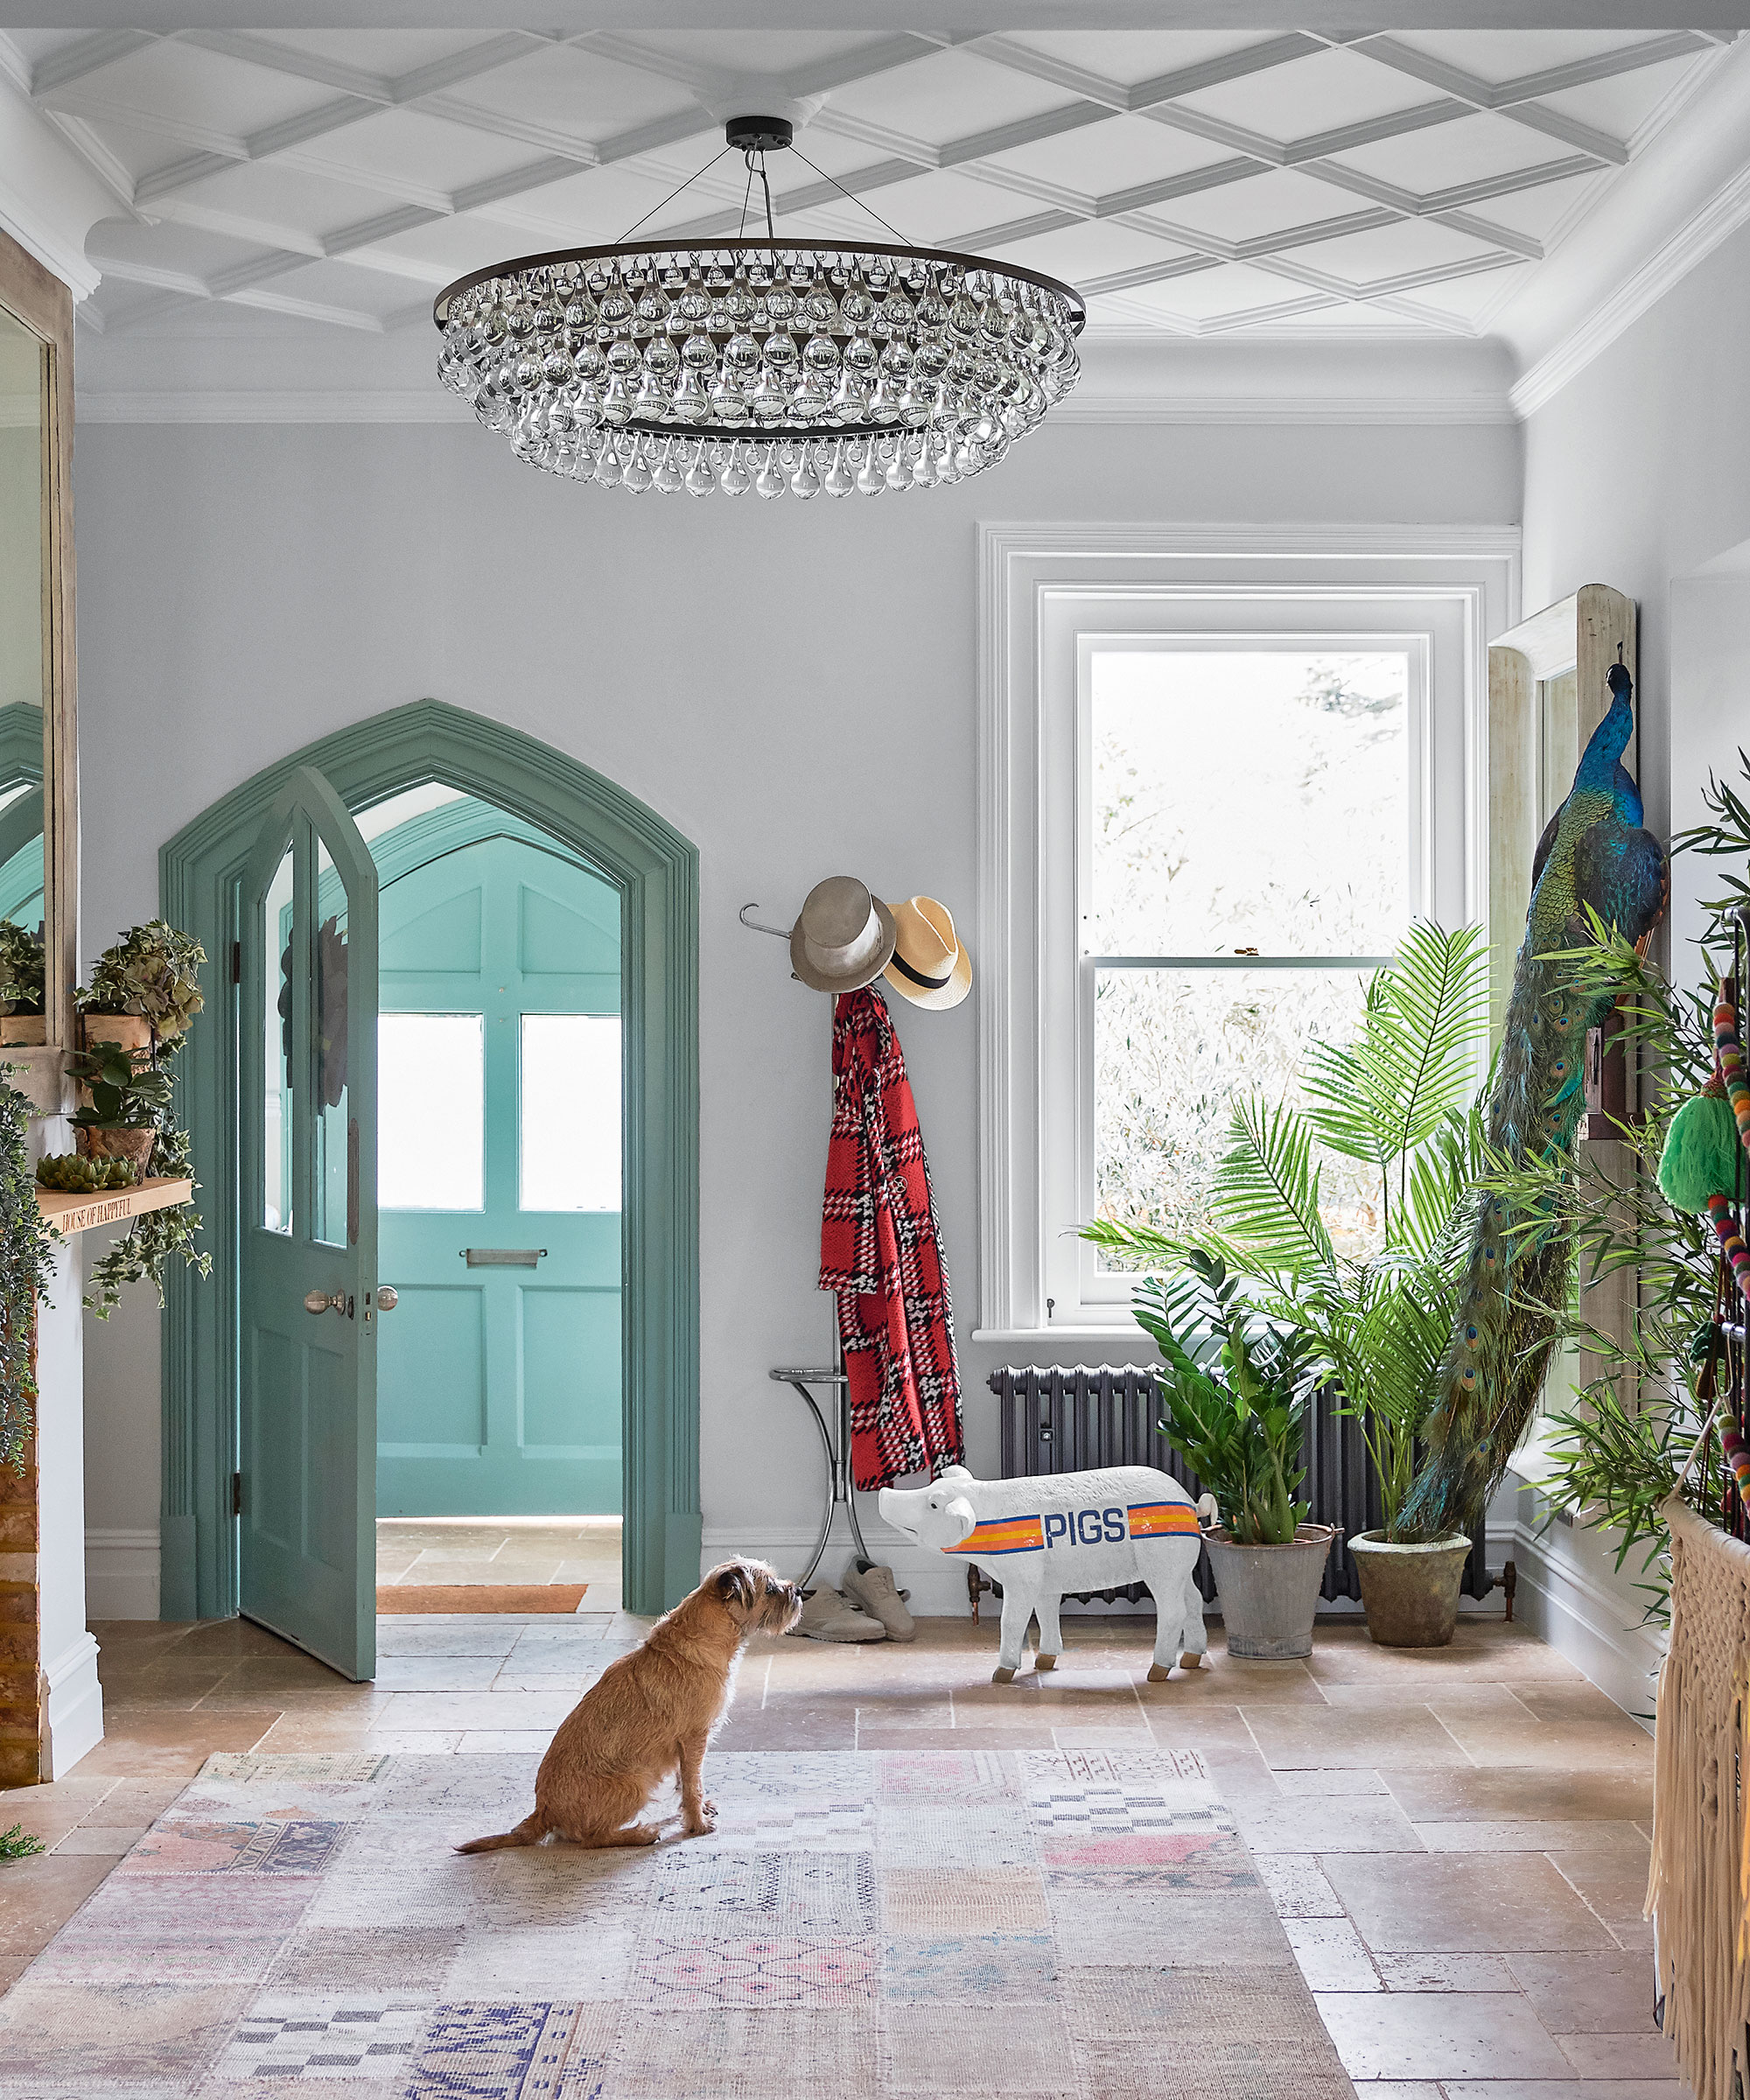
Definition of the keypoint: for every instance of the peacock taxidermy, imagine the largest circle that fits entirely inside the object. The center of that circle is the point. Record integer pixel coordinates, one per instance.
(1593, 854)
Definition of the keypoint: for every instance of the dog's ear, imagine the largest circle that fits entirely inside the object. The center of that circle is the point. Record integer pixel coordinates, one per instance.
(737, 1587)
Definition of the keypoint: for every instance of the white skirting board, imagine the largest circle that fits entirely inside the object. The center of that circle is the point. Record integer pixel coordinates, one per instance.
(121, 1573)
(75, 1706)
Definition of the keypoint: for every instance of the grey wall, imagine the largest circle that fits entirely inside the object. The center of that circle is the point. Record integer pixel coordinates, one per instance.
(1637, 474)
(792, 687)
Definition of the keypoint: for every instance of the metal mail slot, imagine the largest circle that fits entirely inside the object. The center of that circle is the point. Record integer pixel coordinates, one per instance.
(503, 1258)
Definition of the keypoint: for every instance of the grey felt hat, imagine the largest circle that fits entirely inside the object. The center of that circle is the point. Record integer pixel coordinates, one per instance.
(843, 937)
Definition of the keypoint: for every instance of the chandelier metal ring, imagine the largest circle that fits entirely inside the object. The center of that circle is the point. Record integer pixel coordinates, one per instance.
(760, 362)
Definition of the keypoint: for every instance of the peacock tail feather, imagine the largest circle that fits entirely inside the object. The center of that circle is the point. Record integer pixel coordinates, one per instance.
(1594, 855)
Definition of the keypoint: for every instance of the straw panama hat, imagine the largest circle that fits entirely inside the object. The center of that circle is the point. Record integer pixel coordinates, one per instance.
(929, 967)
(843, 936)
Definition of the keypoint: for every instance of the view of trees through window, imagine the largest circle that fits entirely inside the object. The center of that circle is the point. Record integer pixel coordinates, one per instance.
(1249, 813)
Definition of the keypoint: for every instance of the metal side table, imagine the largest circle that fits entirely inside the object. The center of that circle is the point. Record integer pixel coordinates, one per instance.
(840, 1488)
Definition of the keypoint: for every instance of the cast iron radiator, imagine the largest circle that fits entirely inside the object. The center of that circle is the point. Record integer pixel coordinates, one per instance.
(1059, 1420)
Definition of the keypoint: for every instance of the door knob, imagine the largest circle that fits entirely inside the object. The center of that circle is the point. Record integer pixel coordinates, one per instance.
(388, 1298)
(324, 1301)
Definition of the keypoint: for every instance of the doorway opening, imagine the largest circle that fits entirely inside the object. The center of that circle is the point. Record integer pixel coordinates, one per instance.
(500, 1107)
(591, 982)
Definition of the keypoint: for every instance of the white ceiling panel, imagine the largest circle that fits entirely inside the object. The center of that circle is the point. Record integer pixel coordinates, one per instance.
(1324, 92)
(949, 95)
(1192, 183)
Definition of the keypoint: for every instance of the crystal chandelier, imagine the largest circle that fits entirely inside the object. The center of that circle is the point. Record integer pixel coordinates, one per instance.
(759, 363)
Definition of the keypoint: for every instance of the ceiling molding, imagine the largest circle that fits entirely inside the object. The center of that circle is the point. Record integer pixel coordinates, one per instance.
(1697, 238)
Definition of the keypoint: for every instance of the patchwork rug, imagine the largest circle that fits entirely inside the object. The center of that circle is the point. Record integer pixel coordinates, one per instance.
(985, 1924)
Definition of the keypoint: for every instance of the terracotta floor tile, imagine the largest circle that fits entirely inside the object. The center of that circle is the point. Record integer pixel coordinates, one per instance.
(1507, 1793)
(1440, 2034)
(1579, 2089)
(1415, 1693)
(1330, 1954)
(232, 1637)
(1533, 1836)
(1463, 1903)
(1614, 1882)
(923, 1712)
(1327, 1736)
(1299, 1887)
(100, 1841)
(463, 1636)
(1344, 1780)
(1587, 1993)
(1329, 1825)
(473, 1709)
(1620, 2055)
(1451, 1971)
(1567, 1745)
(155, 1745)
(37, 1896)
(1489, 1649)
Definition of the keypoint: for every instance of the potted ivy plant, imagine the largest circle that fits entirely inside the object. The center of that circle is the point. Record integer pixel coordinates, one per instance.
(1235, 1393)
(122, 1103)
(144, 990)
(22, 1018)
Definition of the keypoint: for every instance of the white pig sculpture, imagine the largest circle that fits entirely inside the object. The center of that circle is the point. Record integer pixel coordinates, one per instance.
(1044, 1534)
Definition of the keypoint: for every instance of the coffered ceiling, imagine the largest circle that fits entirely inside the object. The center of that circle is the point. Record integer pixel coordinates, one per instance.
(1191, 184)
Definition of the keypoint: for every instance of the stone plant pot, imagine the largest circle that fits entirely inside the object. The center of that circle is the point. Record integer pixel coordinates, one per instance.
(130, 1031)
(106, 1141)
(24, 1028)
(1268, 1594)
(1411, 1592)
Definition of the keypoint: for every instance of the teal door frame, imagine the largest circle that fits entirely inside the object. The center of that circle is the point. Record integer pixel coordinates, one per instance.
(656, 872)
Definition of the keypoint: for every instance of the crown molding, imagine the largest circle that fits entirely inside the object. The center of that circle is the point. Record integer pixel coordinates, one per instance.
(1694, 240)
(429, 405)
(1470, 409)
(49, 200)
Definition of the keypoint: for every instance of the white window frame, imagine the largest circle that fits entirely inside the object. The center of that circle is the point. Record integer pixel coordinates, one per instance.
(1046, 594)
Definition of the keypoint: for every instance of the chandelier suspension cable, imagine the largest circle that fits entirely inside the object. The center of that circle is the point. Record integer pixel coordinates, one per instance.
(674, 193)
(849, 197)
(771, 230)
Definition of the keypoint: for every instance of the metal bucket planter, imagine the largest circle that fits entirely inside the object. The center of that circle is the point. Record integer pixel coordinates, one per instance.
(1268, 1594)
(1411, 1591)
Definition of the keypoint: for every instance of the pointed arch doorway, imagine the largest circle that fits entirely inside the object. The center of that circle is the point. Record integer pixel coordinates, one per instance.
(654, 872)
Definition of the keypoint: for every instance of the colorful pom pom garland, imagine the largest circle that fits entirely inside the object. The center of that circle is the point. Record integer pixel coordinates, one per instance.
(1736, 1454)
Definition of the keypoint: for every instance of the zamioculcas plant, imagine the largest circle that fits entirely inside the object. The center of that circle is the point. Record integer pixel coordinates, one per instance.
(1233, 1396)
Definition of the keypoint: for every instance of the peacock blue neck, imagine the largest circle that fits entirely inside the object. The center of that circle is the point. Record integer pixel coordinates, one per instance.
(1609, 740)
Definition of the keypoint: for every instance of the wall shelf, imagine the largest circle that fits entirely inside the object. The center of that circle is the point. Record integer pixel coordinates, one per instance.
(67, 1213)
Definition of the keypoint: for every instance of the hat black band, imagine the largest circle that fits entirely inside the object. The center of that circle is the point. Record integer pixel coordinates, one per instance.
(917, 976)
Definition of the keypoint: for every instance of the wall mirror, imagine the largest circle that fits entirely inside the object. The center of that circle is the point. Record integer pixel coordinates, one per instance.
(38, 810)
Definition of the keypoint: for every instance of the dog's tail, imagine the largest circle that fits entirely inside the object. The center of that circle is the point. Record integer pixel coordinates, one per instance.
(530, 1831)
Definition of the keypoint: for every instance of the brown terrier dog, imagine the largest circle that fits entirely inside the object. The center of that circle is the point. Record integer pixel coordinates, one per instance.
(651, 1713)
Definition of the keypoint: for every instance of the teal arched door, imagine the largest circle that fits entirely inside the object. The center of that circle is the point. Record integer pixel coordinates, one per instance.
(499, 1379)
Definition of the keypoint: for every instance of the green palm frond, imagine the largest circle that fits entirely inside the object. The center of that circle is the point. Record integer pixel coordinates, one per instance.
(1386, 1093)
(1265, 1194)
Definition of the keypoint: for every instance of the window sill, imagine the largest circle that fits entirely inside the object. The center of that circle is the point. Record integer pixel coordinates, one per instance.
(1061, 1331)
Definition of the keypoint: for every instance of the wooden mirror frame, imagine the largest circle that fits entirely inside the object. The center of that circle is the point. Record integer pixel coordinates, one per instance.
(34, 297)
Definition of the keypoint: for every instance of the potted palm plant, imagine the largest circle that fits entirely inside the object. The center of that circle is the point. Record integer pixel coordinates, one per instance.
(1234, 1395)
(1373, 1295)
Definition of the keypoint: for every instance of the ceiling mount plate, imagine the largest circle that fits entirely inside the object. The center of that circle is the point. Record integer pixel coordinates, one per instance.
(760, 134)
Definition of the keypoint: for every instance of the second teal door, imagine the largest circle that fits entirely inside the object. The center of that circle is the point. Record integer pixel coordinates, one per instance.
(499, 1378)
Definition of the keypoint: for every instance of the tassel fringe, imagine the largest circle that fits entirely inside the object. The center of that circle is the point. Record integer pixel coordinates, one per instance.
(1698, 1890)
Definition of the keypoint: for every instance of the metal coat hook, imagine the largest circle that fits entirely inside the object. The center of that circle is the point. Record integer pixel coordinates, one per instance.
(753, 926)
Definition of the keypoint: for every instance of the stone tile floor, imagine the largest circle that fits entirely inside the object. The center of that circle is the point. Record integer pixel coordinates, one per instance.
(1457, 1840)
(503, 1549)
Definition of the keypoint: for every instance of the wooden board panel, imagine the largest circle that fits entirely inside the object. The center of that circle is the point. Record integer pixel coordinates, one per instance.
(68, 1213)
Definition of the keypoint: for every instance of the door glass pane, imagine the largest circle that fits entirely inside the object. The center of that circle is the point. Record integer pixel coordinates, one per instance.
(276, 1055)
(331, 1107)
(1173, 1050)
(1253, 799)
(569, 1136)
(430, 1112)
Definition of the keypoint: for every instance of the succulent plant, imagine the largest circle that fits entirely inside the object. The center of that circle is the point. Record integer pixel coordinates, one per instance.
(73, 1174)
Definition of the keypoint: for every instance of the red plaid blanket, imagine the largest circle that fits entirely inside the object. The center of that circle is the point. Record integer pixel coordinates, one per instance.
(881, 1255)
